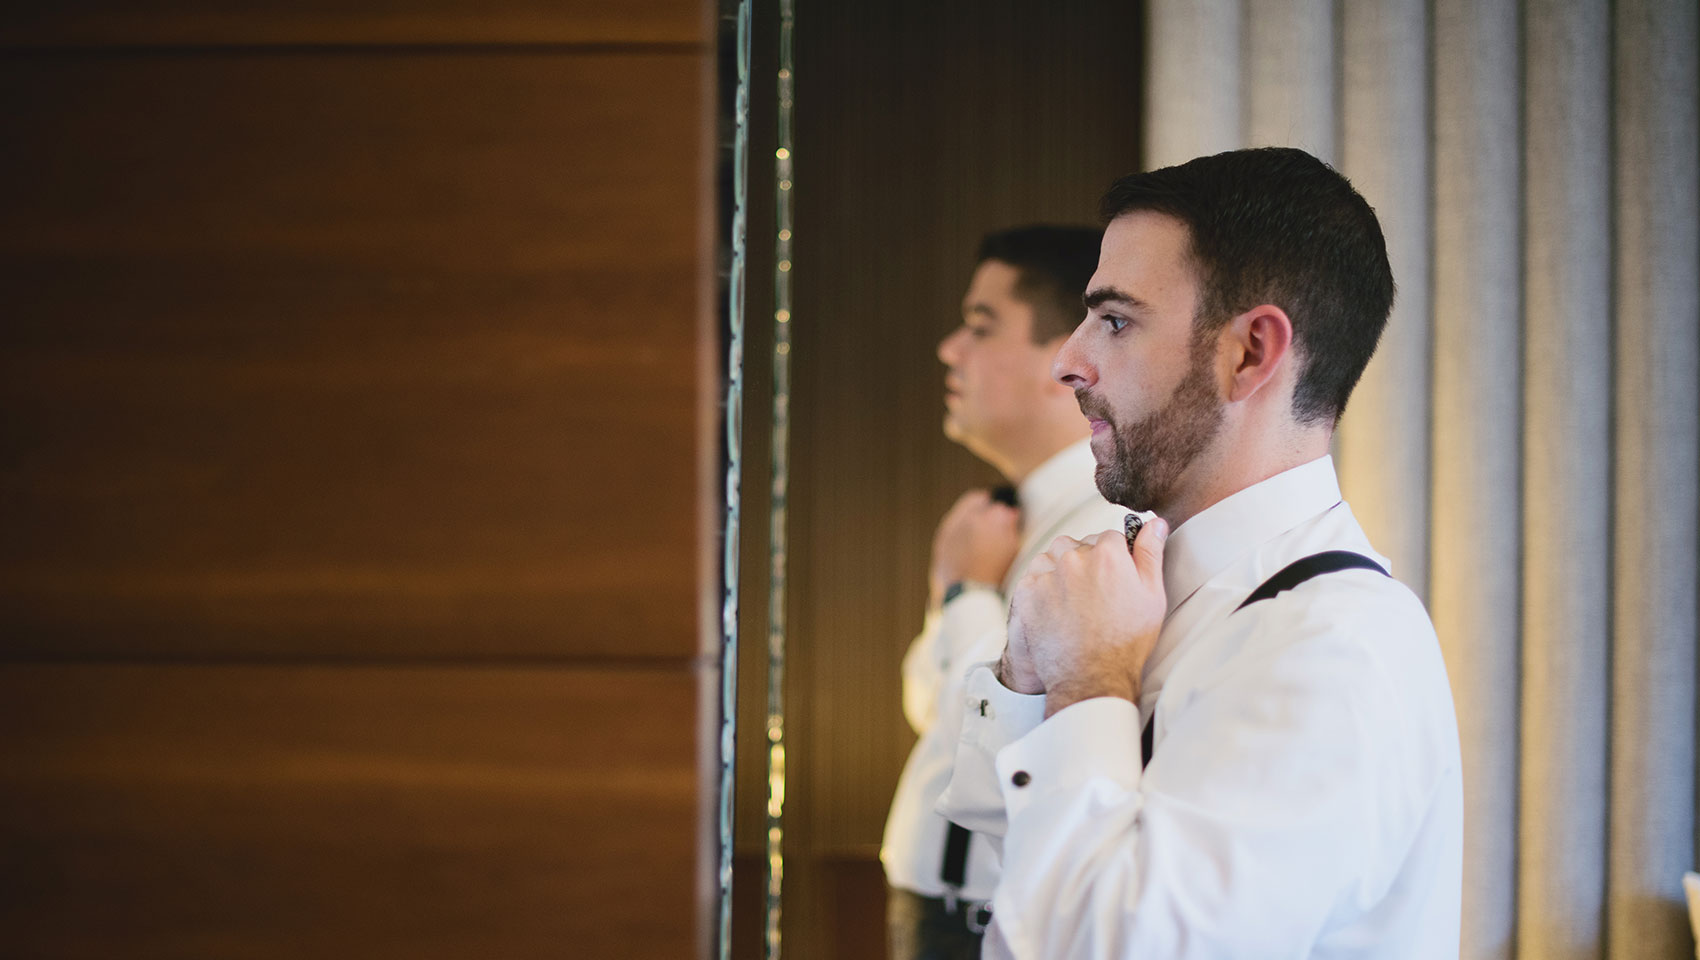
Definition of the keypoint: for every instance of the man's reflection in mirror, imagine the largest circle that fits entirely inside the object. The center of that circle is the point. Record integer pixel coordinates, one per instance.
(1002, 404)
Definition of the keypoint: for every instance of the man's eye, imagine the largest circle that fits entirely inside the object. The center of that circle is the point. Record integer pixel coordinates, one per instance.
(979, 333)
(1114, 322)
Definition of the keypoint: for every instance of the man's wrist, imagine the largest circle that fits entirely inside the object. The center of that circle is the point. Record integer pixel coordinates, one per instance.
(1005, 674)
(1061, 696)
(957, 588)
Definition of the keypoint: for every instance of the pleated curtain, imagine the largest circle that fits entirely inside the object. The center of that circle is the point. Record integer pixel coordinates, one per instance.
(1526, 444)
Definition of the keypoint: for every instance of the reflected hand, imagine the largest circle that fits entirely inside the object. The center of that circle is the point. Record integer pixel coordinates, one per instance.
(977, 540)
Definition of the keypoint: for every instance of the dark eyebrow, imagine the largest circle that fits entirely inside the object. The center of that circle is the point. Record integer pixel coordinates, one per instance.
(980, 309)
(1097, 298)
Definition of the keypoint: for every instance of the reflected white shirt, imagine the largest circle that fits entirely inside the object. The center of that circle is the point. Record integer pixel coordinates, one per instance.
(1059, 498)
(1304, 798)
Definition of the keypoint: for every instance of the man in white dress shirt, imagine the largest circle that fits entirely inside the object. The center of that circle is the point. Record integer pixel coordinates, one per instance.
(1237, 740)
(1003, 405)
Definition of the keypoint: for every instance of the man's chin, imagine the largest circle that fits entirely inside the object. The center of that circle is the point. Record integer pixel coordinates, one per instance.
(1112, 486)
(953, 428)
(1104, 478)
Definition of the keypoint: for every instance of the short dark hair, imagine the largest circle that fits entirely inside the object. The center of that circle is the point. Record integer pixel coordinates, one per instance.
(1054, 264)
(1276, 225)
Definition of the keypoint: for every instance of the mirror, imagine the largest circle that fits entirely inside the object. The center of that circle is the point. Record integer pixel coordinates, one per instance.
(911, 132)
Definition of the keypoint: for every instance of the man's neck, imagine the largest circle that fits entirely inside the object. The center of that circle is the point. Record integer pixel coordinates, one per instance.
(1228, 469)
(1018, 462)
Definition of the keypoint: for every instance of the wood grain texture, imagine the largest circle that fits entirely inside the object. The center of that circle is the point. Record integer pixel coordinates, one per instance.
(323, 355)
(334, 811)
(114, 23)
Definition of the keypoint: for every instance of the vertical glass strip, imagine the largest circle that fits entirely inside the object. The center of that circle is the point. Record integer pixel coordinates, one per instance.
(781, 472)
(734, 464)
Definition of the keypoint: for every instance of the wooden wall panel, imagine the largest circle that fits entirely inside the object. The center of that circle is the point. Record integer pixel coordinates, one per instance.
(327, 355)
(200, 22)
(286, 812)
(358, 383)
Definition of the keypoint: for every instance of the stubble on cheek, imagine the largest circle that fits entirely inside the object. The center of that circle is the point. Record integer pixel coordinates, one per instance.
(1150, 455)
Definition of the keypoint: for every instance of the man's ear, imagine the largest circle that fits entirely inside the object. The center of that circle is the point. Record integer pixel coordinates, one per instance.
(1257, 343)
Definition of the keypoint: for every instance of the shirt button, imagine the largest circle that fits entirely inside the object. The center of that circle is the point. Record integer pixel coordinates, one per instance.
(1020, 779)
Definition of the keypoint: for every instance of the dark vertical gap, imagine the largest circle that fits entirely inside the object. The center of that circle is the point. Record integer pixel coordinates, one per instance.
(1340, 87)
(1522, 463)
(1432, 166)
(1338, 160)
(1245, 44)
(1613, 376)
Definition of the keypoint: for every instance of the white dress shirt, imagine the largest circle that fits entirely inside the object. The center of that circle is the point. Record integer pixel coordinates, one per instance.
(1057, 499)
(1304, 798)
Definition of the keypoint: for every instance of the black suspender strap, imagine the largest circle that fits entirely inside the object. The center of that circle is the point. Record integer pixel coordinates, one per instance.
(1305, 569)
(1293, 574)
(954, 872)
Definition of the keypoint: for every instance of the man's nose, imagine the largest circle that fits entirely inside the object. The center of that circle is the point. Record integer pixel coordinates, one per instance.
(1071, 368)
(950, 348)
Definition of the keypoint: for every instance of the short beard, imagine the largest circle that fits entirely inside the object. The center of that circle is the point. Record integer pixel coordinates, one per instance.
(1144, 471)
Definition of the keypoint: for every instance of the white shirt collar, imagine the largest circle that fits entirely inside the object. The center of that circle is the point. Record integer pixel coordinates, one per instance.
(1059, 485)
(1228, 530)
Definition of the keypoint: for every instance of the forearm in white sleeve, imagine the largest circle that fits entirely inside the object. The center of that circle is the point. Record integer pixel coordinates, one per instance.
(921, 676)
(934, 665)
(1255, 819)
(995, 717)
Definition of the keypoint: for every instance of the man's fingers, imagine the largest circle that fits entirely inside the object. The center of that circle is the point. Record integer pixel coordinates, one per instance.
(1148, 549)
(1062, 545)
(970, 500)
(1043, 563)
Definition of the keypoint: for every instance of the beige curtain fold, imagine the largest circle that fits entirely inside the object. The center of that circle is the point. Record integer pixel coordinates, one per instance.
(1383, 443)
(1291, 89)
(1567, 478)
(1477, 469)
(1526, 444)
(1657, 293)
(1193, 52)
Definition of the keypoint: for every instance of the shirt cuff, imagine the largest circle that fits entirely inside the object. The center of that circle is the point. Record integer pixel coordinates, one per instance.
(976, 614)
(994, 717)
(1093, 740)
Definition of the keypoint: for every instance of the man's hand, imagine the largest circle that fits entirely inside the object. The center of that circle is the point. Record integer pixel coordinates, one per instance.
(977, 540)
(1085, 617)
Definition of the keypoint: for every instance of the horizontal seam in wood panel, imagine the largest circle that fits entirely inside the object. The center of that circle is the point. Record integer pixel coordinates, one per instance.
(662, 48)
(521, 662)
